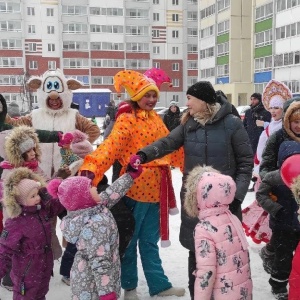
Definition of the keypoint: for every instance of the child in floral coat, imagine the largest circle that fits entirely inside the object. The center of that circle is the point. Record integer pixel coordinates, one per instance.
(222, 259)
(95, 273)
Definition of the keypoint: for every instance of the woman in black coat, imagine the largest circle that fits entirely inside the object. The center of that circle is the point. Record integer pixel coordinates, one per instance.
(172, 116)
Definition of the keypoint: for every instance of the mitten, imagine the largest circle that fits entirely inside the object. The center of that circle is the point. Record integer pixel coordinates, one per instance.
(65, 139)
(143, 156)
(110, 296)
(134, 168)
(87, 174)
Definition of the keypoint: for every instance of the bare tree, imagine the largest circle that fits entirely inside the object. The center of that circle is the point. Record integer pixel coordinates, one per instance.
(26, 95)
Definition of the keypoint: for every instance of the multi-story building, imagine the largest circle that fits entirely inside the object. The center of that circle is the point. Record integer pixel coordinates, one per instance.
(238, 45)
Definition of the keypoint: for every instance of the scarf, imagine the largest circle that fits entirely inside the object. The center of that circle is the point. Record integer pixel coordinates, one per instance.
(32, 165)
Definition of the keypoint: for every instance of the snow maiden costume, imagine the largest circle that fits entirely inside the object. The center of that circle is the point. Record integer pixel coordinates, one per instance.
(255, 218)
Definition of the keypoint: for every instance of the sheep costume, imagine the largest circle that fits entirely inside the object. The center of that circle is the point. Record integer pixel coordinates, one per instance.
(54, 85)
(222, 259)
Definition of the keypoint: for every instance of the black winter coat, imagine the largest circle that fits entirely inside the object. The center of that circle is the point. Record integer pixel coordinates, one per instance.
(222, 143)
(172, 120)
(251, 116)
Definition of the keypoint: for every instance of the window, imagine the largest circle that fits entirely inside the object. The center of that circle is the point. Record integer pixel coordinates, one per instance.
(223, 49)
(156, 65)
(192, 48)
(210, 72)
(155, 33)
(264, 12)
(263, 38)
(175, 34)
(155, 16)
(192, 32)
(156, 50)
(263, 64)
(50, 29)
(208, 52)
(51, 47)
(192, 65)
(223, 27)
(50, 12)
(175, 17)
(223, 4)
(31, 28)
(208, 31)
(192, 16)
(10, 44)
(175, 2)
(222, 70)
(51, 65)
(175, 50)
(32, 47)
(74, 63)
(30, 11)
(33, 65)
(208, 11)
(176, 82)
(155, 1)
(175, 66)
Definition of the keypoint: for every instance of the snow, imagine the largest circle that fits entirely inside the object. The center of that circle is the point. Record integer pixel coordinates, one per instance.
(174, 260)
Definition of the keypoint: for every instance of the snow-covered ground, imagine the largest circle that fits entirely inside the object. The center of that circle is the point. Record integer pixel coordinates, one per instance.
(174, 261)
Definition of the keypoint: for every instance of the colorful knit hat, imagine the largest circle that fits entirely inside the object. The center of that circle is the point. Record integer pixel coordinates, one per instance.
(73, 192)
(80, 144)
(275, 94)
(135, 83)
(159, 76)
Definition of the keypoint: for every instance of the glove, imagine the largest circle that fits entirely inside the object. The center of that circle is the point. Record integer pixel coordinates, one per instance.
(110, 296)
(65, 139)
(3, 110)
(87, 174)
(143, 157)
(63, 173)
(134, 168)
(235, 205)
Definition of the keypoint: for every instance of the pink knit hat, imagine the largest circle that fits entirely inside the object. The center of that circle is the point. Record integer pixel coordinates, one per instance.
(80, 145)
(73, 192)
(24, 187)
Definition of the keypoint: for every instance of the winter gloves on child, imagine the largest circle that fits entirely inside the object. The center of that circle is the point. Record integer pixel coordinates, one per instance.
(134, 168)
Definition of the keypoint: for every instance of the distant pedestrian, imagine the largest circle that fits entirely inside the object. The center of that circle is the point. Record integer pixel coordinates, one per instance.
(172, 116)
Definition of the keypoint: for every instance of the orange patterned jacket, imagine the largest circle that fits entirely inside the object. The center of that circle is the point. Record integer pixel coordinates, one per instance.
(131, 132)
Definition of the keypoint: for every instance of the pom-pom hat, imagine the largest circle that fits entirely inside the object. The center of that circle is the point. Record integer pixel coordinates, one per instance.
(73, 193)
(203, 90)
(80, 145)
(159, 76)
(135, 83)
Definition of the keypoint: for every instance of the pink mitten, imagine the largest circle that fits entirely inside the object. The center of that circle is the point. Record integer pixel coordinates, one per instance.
(65, 139)
(134, 168)
(110, 296)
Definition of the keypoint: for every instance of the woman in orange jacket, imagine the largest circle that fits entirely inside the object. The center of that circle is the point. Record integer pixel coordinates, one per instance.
(151, 197)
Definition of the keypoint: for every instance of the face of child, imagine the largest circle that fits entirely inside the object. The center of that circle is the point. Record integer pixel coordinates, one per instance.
(95, 194)
(276, 113)
(149, 101)
(295, 126)
(33, 198)
(173, 108)
(30, 155)
(195, 105)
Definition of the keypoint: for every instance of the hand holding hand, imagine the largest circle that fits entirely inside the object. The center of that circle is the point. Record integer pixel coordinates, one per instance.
(134, 168)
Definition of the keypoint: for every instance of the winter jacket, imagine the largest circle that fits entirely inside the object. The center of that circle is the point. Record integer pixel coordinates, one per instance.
(251, 116)
(172, 120)
(96, 267)
(269, 160)
(222, 143)
(294, 279)
(26, 243)
(131, 132)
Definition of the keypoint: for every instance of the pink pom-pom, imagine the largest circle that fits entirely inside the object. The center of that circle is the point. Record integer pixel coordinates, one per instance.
(79, 136)
(52, 187)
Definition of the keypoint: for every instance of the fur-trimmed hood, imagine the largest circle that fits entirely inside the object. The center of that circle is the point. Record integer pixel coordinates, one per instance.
(13, 208)
(286, 120)
(192, 180)
(13, 141)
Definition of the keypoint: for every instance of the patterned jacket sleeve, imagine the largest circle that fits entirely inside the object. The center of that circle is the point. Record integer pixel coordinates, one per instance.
(116, 190)
(206, 265)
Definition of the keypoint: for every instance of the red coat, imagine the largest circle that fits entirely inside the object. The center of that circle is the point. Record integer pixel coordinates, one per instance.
(294, 279)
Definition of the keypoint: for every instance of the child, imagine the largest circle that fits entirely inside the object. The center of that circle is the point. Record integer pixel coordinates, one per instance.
(277, 199)
(255, 219)
(222, 259)
(89, 223)
(26, 239)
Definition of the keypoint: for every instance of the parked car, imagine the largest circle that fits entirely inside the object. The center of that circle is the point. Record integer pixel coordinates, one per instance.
(158, 108)
(241, 110)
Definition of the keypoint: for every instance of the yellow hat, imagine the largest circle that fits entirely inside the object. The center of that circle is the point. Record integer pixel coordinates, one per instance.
(135, 83)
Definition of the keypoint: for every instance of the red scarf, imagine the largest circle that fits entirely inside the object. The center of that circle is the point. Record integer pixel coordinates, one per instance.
(32, 165)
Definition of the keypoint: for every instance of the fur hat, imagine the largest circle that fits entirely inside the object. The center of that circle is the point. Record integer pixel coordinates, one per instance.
(25, 186)
(73, 192)
(292, 113)
(20, 140)
(173, 103)
(203, 90)
(135, 83)
(275, 94)
(80, 145)
(159, 76)
(12, 189)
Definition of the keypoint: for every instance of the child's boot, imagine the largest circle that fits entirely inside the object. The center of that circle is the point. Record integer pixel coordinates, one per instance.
(280, 294)
(173, 291)
(267, 258)
(131, 295)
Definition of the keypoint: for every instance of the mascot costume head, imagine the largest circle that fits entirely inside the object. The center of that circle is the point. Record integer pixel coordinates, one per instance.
(53, 85)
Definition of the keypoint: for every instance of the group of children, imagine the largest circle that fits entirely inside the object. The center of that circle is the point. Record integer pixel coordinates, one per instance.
(30, 201)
